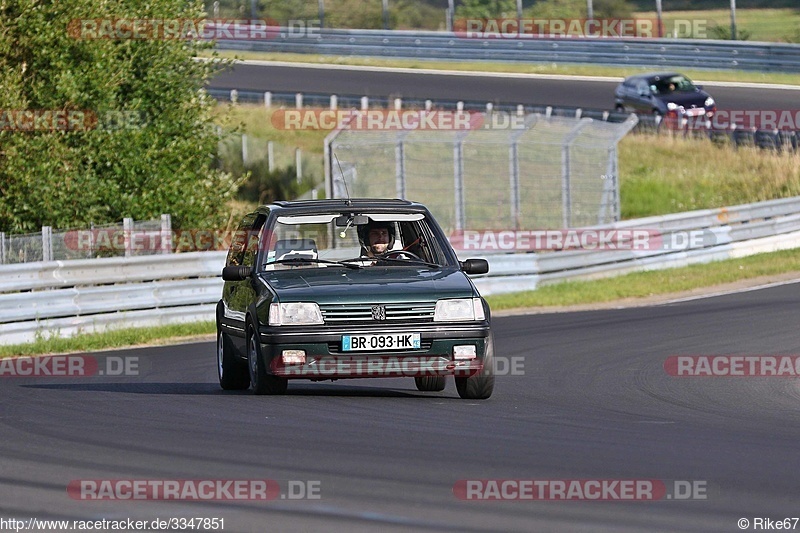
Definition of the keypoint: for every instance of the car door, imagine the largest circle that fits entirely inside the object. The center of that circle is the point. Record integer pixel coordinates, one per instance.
(643, 98)
(237, 295)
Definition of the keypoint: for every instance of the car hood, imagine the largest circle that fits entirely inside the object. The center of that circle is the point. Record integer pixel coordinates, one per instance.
(370, 284)
(687, 100)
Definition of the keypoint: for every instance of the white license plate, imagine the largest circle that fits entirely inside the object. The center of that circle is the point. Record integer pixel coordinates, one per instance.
(386, 341)
(696, 112)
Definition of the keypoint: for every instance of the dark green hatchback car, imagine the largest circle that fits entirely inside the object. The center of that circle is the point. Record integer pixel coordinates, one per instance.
(332, 289)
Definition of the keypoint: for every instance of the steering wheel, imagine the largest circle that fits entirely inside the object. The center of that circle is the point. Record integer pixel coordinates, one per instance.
(399, 254)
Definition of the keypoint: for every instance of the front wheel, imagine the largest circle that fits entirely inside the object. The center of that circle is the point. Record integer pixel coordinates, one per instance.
(232, 372)
(262, 381)
(430, 383)
(479, 386)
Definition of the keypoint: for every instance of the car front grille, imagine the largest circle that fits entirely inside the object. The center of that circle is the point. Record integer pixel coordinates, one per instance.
(392, 313)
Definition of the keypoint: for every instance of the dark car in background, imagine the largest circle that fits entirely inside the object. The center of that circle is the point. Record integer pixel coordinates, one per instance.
(667, 94)
(305, 297)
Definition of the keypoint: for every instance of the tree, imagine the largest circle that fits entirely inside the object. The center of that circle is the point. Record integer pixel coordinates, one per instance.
(157, 159)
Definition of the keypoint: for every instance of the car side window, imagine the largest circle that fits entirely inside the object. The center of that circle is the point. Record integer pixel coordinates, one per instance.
(239, 241)
(642, 88)
(253, 237)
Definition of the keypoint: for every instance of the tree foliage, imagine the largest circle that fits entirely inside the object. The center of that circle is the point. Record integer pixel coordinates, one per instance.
(161, 162)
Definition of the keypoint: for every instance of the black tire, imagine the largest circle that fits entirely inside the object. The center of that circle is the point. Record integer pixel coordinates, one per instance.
(479, 386)
(262, 381)
(231, 370)
(430, 383)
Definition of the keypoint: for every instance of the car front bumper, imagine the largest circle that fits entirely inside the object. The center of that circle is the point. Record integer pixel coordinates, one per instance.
(325, 359)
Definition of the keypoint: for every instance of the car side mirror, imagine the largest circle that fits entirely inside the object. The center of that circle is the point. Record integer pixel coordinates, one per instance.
(475, 266)
(236, 273)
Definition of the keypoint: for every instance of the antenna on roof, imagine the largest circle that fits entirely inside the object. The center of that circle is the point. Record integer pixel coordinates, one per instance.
(349, 201)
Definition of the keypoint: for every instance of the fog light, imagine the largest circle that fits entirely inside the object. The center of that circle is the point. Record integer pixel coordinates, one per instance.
(464, 352)
(293, 357)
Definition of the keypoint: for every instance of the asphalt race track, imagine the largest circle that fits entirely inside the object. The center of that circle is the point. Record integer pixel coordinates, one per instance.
(496, 89)
(593, 402)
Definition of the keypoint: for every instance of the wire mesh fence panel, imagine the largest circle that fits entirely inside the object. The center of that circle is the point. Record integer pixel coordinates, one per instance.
(545, 172)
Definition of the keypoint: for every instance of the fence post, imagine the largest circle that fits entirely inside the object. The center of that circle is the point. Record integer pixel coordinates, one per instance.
(514, 185)
(244, 148)
(2, 248)
(270, 156)
(298, 162)
(47, 243)
(458, 176)
(400, 169)
(127, 233)
(166, 234)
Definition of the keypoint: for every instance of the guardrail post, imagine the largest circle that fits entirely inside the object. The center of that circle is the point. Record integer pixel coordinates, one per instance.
(244, 148)
(398, 104)
(127, 233)
(364, 103)
(428, 105)
(268, 99)
(166, 234)
(298, 100)
(334, 103)
(47, 243)
(2, 248)
(234, 96)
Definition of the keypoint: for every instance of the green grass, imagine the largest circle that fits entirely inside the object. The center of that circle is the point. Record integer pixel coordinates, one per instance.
(670, 174)
(644, 284)
(518, 68)
(762, 24)
(114, 338)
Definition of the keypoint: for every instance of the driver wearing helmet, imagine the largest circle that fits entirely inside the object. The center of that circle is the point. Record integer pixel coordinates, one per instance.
(376, 238)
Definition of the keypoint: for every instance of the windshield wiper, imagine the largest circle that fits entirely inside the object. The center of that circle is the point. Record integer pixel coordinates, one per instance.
(407, 261)
(314, 260)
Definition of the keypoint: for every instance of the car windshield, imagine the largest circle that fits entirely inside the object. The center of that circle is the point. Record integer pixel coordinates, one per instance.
(366, 239)
(672, 84)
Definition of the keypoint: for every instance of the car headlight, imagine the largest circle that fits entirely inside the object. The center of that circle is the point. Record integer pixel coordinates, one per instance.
(709, 102)
(294, 313)
(459, 310)
(672, 106)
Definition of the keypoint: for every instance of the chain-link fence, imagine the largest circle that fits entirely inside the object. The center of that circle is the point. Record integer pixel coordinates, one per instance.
(549, 172)
(129, 238)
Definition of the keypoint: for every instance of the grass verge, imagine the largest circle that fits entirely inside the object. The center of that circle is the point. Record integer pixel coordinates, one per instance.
(651, 283)
(115, 338)
(516, 68)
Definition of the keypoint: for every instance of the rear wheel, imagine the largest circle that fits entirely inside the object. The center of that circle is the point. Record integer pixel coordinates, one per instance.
(430, 383)
(480, 385)
(232, 371)
(262, 381)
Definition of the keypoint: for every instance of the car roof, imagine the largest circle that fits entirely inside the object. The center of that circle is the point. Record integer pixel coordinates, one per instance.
(344, 204)
(652, 75)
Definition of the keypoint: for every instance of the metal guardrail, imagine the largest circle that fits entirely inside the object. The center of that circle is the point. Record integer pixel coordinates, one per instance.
(66, 297)
(655, 53)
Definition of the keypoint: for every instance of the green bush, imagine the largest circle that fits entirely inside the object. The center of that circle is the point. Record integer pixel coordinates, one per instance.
(161, 162)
